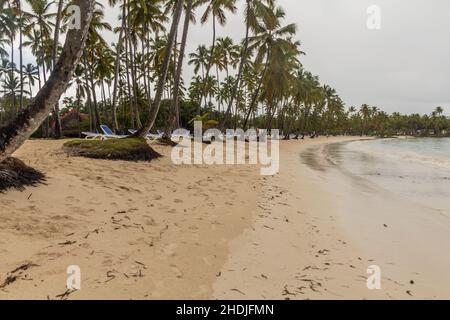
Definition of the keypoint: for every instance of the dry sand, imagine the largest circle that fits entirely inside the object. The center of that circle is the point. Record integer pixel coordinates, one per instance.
(137, 230)
(160, 231)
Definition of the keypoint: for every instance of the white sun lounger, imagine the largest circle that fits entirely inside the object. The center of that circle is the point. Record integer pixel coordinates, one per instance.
(93, 135)
(150, 136)
(109, 134)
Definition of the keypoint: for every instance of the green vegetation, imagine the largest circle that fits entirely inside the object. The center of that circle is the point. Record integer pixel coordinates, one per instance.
(132, 149)
(258, 82)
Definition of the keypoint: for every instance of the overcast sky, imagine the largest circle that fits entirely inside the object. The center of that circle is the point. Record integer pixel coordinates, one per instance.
(404, 66)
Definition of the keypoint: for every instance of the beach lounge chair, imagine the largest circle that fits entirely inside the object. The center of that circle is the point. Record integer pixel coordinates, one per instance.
(92, 135)
(150, 136)
(109, 134)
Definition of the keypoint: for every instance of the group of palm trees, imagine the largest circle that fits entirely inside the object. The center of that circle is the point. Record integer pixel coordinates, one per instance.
(137, 83)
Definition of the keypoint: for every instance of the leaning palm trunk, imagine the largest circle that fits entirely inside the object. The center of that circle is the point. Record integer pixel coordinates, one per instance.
(163, 74)
(28, 120)
(176, 90)
(255, 97)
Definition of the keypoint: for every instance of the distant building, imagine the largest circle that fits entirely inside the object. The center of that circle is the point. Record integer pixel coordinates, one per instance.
(71, 123)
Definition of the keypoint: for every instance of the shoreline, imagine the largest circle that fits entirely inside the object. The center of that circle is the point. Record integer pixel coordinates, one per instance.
(160, 231)
(296, 248)
(323, 232)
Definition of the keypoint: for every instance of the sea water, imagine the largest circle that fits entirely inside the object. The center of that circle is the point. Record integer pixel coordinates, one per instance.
(416, 169)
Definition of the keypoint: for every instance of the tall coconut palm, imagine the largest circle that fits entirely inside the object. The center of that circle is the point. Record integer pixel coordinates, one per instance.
(35, 44)
(215, 9)
(199, 59)
(58, 128)
(31, 73)
(255, 10)
(9, 26)
(40, 23)
(176, 91)
(21, 22)
(163, 73)
(271, 39)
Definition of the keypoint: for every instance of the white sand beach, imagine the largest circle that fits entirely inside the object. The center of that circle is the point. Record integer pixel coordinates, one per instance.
(160, 231)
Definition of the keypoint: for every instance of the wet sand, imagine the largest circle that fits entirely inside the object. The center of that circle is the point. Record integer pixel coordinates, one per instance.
(317, 231)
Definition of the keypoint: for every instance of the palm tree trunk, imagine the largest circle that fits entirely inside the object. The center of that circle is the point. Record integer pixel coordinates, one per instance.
(253, 103)
(94, 95)
(163, 74)
(89, 103)
(29, 119)
(12, 71)
(21, 54)
(218, 89)
(57, 119)
(127, 71)
(209, 66)
(179, 70)
(116, 71)
(131, 48)
(241, 69)
(134, 84)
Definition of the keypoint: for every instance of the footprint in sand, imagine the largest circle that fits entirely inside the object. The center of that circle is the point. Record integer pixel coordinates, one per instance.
(177, 271)
(169, 250)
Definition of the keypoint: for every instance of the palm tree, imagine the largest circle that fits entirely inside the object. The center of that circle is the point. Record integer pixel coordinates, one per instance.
(226, 55)
(40, 24)
(163, 73)
(9, 25)
(199, 59)
(35, 44)
(20, 129)
(271, 41)
(95, 45)
(216, 9)
(365, 112)
(176, 91)
(21, 22)
(31, 73)
(255, 10)
(58, 128)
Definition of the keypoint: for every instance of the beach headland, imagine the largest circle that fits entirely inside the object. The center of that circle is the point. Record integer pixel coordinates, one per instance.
(162, 231)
